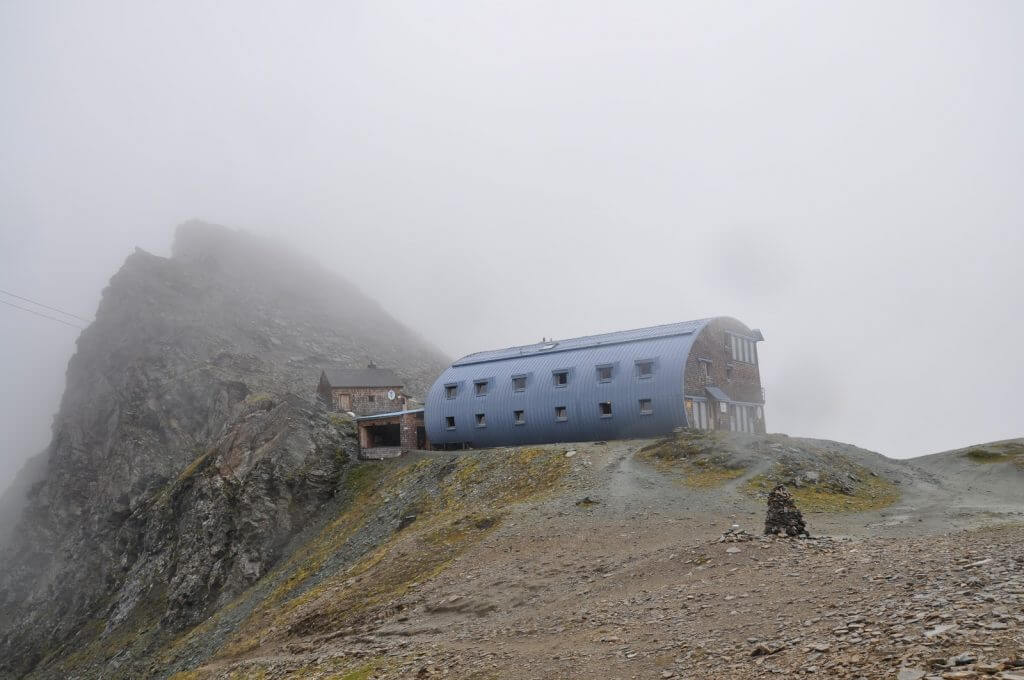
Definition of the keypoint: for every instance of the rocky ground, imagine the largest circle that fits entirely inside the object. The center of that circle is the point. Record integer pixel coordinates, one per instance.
(627, 571)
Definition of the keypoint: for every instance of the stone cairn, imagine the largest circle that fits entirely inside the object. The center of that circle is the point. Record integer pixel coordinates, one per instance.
(783, 516)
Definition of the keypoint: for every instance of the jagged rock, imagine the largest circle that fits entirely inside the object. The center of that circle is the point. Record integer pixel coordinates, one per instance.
(188, 448)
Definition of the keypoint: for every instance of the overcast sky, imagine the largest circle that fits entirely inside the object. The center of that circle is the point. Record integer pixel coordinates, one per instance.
(846, 176)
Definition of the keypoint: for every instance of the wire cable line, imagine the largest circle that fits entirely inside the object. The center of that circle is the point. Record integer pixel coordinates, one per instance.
(45, 316)
(40, 304)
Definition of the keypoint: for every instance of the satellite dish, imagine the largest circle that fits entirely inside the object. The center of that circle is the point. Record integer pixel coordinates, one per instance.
(391, 395)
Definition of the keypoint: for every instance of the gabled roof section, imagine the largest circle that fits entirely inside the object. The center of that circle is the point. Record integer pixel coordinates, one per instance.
(603, 339)
(362, 377)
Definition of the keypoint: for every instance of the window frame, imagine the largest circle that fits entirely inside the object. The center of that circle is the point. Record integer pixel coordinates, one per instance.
(449, 422)
(650, 406)
(557, 372)
(565, 414)
(605, 367)
(518, 417)
(601, 411)
(519, 376)
(641, 362)
(477, 384)
(481, 419)
(451, 390)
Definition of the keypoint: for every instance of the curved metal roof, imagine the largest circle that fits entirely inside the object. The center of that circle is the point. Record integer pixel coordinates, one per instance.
(667, 347)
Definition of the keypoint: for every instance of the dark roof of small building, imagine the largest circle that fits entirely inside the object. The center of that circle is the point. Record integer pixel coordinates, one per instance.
(362, 377)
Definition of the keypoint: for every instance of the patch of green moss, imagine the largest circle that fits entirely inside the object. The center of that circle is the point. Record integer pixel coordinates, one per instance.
(1003, 452)
(458, 502)
(701, 458)
(871, 493)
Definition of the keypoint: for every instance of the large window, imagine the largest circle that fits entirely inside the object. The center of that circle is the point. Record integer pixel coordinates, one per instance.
(742, 349)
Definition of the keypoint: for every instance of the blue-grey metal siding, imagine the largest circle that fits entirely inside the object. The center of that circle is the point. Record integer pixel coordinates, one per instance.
(668, 347)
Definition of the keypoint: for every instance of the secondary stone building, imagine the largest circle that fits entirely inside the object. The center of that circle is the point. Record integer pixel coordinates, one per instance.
(646, 382)
(376, 396)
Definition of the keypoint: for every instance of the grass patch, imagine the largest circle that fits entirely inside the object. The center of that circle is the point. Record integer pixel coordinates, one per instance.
(870, 493)
(457, 501)
(702, 458)
(262, 399)
(1003, 452)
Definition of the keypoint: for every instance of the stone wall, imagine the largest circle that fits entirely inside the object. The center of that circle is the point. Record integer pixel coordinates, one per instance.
(368, 401)
(741, 383)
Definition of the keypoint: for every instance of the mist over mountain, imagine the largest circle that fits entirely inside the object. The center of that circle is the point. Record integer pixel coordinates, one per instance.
(188, 447)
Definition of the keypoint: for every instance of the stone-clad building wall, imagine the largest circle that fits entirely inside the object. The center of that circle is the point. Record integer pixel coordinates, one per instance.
(740, 380)
(368, 401)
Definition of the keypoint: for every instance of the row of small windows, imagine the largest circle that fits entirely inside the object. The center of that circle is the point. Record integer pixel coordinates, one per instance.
(741, 349)
(604, 409)
(560, 378)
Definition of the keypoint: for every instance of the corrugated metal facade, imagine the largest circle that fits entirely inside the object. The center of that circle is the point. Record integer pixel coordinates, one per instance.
(666, 346)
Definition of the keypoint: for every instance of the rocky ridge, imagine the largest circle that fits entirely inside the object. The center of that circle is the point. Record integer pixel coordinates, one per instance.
(188, 448)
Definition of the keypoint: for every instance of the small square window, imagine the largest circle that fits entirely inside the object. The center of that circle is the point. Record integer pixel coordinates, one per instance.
(450, 391)
(449, 422)
(519, 417)
(480, 387)
(644, 369)
(604, 373)
(561, 413)
(481, 420)
(646, 408)
(370, 398)
(605, 408)
(518, 383)
(561, 378)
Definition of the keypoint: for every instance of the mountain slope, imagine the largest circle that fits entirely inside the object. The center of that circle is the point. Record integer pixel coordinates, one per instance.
(188, 448)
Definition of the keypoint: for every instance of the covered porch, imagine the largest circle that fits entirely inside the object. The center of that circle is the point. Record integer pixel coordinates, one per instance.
(389, 435)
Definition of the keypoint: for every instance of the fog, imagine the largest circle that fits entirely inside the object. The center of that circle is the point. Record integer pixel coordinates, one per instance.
(845, 176)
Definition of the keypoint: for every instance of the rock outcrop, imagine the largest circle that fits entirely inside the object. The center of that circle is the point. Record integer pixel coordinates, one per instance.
(188, 447)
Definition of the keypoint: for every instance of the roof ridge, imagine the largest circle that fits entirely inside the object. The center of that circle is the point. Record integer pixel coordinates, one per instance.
(505, 352)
